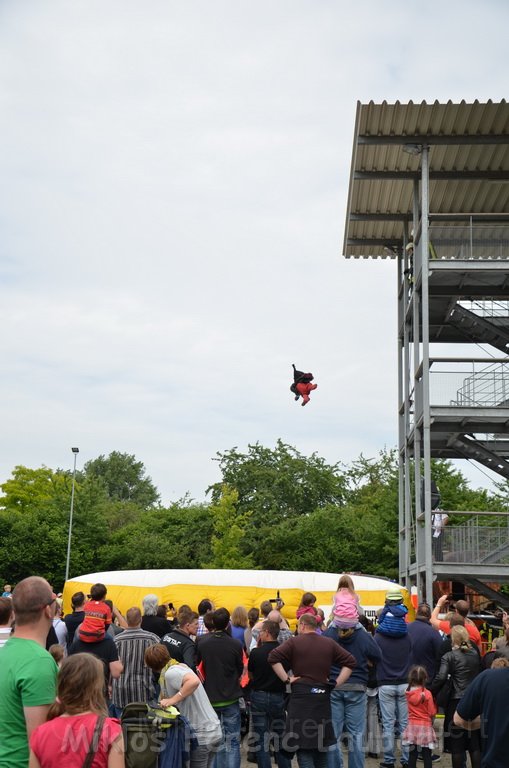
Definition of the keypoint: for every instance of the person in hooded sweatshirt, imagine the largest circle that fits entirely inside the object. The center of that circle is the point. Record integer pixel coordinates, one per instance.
(349, 700)
(392, 620)
(419, 735)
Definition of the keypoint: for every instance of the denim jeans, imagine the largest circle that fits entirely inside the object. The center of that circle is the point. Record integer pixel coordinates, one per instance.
(268, 719)
(228, 752)
(201, 757)
(311, 758)
(349, 716)
(393, 709)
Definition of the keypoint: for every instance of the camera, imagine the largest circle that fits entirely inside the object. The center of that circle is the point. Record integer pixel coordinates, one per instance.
(279, 603)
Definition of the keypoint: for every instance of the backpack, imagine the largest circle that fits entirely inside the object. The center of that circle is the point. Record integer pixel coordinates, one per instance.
(145, 727)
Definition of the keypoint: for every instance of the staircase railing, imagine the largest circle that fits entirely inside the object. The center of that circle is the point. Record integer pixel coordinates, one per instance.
(482, 539)
(492, 308)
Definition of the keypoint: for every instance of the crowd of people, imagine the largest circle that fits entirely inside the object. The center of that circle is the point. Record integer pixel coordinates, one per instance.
(336, 686)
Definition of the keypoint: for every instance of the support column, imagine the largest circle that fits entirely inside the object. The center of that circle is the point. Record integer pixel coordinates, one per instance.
(426, 423)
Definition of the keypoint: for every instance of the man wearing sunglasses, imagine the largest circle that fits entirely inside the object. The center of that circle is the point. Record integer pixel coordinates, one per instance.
(27, 671)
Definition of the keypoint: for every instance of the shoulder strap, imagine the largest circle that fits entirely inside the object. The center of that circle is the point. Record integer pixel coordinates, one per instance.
(95, 741)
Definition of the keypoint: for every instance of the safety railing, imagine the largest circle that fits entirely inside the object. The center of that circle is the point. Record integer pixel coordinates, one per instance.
(482, 540)
(472, 383)
(469, 241)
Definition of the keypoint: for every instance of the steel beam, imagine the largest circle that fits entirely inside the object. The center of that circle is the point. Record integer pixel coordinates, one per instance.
(443, 140)
(475, 175)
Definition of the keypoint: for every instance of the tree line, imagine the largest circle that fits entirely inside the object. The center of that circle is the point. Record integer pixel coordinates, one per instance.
(273, 508)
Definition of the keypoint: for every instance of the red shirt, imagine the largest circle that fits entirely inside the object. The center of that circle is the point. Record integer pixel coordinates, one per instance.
(64, 741)
(97, 620)
(472, 630)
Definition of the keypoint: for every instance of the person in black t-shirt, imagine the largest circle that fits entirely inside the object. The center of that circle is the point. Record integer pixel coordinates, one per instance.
(485, 703)
(267, 699)
(179, 642)
(105, 650)
(74, 619)
(223, 664)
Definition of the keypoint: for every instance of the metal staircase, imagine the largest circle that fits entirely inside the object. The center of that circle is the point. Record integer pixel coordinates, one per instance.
(479, 330)
(483, 589)
(474, 449)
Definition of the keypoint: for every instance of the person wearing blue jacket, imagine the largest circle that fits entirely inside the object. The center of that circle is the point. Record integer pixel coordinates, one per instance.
(392, 620)
(349, 701)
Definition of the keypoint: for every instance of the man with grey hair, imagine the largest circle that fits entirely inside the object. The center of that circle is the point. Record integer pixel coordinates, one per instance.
(151, 621)
(27, 671)
(136, 682)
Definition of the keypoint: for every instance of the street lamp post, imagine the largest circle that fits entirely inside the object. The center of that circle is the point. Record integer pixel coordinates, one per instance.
(75, 452)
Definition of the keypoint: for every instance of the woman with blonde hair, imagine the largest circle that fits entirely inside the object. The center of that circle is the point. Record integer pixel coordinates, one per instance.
(460, 665)
(78, 721)
(239, 623)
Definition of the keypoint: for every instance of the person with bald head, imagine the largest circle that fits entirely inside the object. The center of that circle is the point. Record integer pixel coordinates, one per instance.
(28, 672)
(462, 608)
(265, 609)
(136, 681)
(285, 633)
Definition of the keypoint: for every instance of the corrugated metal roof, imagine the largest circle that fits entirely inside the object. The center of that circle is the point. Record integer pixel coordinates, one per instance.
(468, 160)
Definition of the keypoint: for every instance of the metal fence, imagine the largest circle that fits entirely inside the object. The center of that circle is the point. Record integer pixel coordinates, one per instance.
(470, 384)
(474, 542)
(469, 241)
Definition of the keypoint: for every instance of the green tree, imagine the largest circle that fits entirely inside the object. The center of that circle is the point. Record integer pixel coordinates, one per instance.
(177, 537)
(229, 528)
(278, 483)
(27, 488)
(34, 524)
(275, 485)
(124, 478)
(358, 535)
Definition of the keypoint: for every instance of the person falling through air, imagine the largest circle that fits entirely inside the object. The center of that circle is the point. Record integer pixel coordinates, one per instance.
(302, 385)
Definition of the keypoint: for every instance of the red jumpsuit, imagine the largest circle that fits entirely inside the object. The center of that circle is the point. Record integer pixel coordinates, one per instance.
(304, 390)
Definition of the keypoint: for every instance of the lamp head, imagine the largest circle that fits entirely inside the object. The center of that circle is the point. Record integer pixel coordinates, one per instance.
(412, 149)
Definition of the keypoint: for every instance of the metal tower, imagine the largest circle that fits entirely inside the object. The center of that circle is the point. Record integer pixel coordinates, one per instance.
(429, 187)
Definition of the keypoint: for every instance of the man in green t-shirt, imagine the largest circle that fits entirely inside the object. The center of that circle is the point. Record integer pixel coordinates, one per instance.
(27, 671)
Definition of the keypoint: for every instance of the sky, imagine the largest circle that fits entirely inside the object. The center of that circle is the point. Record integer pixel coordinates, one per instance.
(173, 193)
